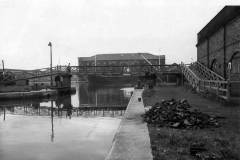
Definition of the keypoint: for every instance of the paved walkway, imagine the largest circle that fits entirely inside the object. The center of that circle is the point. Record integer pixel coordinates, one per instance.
(132, 140)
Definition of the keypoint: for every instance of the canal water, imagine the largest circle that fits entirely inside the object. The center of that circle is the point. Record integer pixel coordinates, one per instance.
(80, 126)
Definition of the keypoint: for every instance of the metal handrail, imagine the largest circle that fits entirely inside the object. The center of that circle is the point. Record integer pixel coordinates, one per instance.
(220, 87)
(209, 72)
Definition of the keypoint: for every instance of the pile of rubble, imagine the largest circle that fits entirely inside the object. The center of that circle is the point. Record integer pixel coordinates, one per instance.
(178, 114)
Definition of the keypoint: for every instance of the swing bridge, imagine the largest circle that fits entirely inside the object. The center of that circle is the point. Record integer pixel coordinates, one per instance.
(201, 78)
(133, 70)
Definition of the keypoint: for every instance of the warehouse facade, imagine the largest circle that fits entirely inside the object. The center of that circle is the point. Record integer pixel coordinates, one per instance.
(218, 45)
(121, 59)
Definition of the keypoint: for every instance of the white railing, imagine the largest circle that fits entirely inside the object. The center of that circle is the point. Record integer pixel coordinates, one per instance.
(206, 73)
(192, 78)
(219, 87)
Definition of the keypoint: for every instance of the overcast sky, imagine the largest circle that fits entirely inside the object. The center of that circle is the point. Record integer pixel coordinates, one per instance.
(86, 27)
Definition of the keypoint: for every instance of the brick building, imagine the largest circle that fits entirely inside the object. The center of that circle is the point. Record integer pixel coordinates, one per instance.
(121, 59)
(218, 45)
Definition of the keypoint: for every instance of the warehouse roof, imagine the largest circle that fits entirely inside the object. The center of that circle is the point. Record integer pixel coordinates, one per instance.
(227, 14)
(120, 56)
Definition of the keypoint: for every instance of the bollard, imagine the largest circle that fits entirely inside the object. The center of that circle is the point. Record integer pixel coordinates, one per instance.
(139, 99)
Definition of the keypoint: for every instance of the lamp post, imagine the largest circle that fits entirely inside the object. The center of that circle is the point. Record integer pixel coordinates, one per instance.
(3, 67)
(50, 45)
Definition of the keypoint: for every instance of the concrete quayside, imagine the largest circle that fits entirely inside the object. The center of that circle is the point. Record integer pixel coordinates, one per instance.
(132, 141)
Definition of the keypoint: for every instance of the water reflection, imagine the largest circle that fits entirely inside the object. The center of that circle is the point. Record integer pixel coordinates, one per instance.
(101, 96)
(52, 135)
(64, 109)
(87, 101)
(66, 127)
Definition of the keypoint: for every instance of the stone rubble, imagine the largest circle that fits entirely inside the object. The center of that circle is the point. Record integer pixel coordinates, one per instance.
(179, 114)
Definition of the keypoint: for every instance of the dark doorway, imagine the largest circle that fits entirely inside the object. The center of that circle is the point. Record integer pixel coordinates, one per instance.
(214, 66)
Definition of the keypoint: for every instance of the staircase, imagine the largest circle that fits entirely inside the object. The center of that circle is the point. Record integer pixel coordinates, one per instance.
(206, 81)
(192, 78)
(205, 73)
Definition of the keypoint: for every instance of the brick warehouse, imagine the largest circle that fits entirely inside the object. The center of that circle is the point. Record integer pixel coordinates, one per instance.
(218, 45)
(121, 59)
(115, 64)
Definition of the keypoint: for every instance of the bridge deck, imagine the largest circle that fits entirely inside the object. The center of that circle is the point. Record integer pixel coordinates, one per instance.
(95, 70)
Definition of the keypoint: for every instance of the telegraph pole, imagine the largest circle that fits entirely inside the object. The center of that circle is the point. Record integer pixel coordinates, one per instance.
(50, 45)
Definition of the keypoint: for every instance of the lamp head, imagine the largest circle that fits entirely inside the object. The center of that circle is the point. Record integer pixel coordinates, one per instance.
(50, 44)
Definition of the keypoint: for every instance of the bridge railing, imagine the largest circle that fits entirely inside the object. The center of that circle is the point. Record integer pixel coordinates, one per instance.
(106, 70)
(124, 69)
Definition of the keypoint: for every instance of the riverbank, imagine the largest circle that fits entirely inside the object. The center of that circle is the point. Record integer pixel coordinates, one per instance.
(169, 143)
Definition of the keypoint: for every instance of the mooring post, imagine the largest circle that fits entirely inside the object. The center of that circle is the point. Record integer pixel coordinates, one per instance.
(228, 89)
